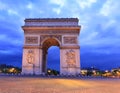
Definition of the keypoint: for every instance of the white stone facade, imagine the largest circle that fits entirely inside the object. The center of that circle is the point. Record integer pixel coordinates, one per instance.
(38, 39)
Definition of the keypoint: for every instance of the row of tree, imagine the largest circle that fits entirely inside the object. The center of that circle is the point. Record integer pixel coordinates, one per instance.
(52, 72)
(9, 69)
(96, 72)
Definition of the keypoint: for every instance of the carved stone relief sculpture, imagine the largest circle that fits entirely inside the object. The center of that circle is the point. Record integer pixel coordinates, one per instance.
(30, 57)
(70, 40)
(31, 40)
(58, 37)
(70, 58)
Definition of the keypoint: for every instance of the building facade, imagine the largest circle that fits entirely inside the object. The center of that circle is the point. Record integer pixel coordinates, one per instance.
(42, 33)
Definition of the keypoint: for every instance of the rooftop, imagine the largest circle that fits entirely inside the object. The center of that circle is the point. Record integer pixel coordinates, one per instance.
(41, 22)
(51, 20)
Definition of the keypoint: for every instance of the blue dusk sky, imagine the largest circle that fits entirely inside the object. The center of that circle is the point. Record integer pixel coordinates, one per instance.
(99, 37)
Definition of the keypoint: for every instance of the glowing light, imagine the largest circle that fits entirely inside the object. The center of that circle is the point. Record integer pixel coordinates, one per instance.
(49, 71)
(12, 70)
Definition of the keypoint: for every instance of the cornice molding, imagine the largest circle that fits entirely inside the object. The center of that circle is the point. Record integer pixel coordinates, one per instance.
(51, 19)
(50, 27)
(31, 47)
(70, 47)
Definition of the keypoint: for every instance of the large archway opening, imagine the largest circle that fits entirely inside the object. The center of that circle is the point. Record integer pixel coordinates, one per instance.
(53, 60)
(50, 55)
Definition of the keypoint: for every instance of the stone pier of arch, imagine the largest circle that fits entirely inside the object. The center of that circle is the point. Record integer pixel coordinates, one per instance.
(42, 33)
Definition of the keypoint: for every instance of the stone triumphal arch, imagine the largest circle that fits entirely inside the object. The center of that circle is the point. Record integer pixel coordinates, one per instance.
(42, 33)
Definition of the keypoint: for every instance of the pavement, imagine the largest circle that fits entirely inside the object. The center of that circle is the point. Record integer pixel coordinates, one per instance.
(38, 84)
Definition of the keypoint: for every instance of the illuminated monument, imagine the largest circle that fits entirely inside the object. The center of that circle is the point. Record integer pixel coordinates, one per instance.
(42, 33)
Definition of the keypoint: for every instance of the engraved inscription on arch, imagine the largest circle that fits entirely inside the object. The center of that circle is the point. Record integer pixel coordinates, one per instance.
(70, 40)
(31, 40)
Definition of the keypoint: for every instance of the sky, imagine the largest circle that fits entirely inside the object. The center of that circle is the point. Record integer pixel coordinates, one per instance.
(99, 38)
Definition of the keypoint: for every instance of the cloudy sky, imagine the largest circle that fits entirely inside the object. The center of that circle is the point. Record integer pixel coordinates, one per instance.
(99, 37)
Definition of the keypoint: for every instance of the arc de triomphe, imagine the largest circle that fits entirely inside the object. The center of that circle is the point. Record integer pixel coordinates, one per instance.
(42, 33)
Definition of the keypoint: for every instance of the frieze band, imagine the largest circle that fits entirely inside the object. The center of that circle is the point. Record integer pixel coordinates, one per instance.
(70, 40)
(31, 40)
(52, 32)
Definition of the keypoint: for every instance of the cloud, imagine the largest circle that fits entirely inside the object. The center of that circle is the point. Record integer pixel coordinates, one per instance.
(85, 3)
(99, 30)
(60, 3)
(100, 21)
(9, 59)
(101, 61)
(110, 8)
(29, 5)
(12, 12)
(57, 10)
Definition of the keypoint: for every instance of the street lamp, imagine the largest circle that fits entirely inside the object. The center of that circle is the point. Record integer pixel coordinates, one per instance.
(106, 71)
